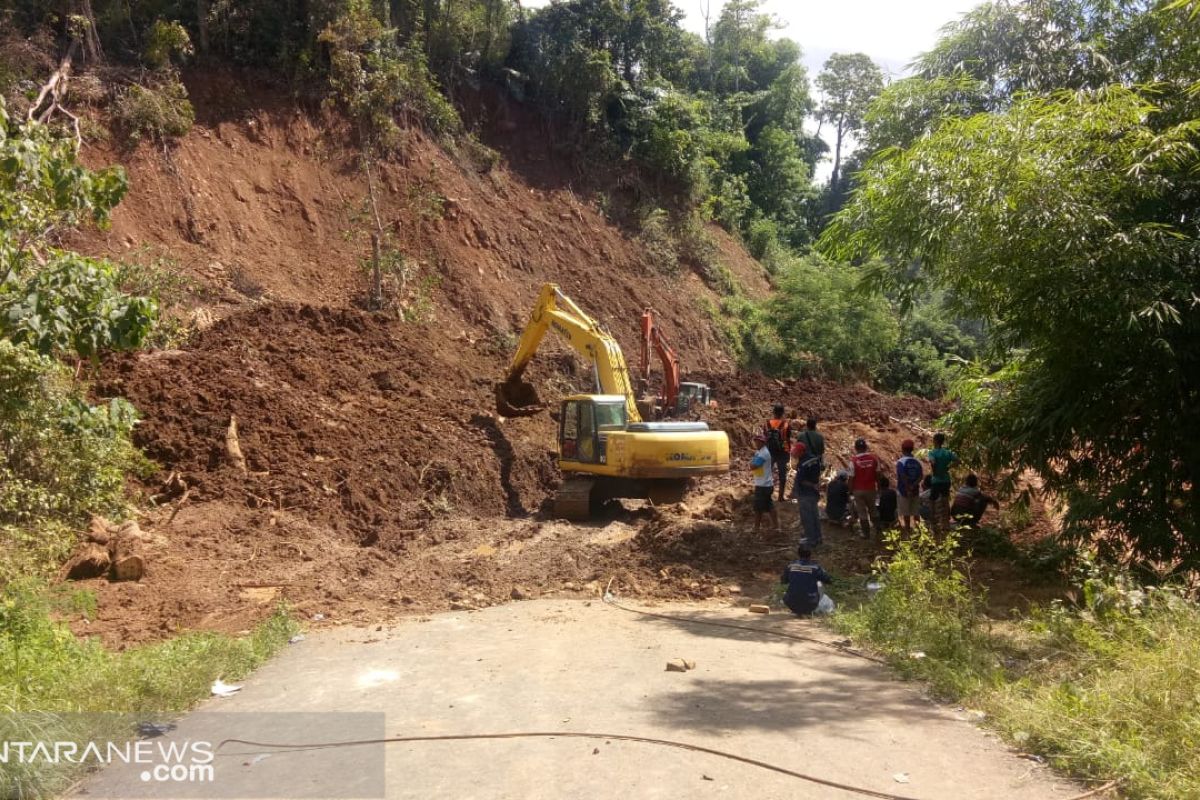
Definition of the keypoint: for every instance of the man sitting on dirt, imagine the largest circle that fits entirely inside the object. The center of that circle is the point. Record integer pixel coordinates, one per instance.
(779, 441)
(925, 500)
(803, 579)
(864, 476)
(807, 490)
(970, 503)
(908, 486)
(764, 483)
(837, 498)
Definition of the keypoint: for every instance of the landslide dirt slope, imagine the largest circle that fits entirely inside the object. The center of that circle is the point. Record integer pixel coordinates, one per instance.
(378, 477)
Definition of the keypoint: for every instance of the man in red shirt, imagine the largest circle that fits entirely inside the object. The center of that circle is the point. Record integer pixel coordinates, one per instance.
(864, 477)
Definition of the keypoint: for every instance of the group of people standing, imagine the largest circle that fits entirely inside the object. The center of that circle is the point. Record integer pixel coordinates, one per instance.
(862, 491)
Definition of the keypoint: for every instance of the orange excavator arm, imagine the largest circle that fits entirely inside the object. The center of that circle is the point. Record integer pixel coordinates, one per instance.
(652, 336)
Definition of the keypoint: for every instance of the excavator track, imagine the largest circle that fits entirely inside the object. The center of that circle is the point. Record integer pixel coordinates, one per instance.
(574, 499)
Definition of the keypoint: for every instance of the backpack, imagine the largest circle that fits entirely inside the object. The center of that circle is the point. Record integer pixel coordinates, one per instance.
(808, 446)
(912, 471)
(775, 444)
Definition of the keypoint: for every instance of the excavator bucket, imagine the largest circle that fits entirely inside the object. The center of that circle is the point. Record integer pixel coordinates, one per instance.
(517, 399)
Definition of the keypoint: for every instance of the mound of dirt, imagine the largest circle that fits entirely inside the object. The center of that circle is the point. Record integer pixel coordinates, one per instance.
(347, 419)
(377, 478)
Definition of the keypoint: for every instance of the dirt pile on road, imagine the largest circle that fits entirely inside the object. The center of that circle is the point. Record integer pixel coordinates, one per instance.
(379, 482)
(347, 419)
(377, 478)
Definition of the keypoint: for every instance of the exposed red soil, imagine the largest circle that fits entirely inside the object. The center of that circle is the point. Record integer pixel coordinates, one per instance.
(378, 479)
(380, 482)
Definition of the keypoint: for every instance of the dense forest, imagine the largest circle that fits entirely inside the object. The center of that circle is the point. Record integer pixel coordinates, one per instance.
(1013, 222)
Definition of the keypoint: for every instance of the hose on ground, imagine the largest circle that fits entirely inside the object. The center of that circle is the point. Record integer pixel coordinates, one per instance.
(610, 737)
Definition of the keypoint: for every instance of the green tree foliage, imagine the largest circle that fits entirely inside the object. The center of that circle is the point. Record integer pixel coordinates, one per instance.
(848, 84)
(928, 355)
(1068, 222)
(818, 323)
(781, 185)
(61, 458)
(55, 300)
(722, 120)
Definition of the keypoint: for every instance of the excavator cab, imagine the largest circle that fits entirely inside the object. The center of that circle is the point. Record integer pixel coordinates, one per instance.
(691, 395)
(584, 425)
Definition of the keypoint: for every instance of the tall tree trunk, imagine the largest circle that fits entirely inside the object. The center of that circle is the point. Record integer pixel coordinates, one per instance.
(91, 39)
(202, 27)
(837, 157)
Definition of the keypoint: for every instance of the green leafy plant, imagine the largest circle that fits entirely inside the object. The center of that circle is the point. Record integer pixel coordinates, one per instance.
(61, 459)
(74, 306)
(1063, 222)
(160, 111)
(165, 40)
(925, 617)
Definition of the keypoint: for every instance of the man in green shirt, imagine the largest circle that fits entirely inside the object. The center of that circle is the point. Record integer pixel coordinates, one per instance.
(940, 458)
(813, 441)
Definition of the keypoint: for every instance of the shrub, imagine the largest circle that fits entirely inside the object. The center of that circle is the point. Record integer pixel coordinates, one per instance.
(824, 323)
(658, 240)
(925, 618)
(1117, 692)
(61, 459)
(74, 306)
(926, 357)
(161, 112)
(165, 40)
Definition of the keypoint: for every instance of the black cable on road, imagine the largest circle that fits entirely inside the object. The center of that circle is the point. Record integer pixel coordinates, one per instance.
(581, 735)
(611, 737)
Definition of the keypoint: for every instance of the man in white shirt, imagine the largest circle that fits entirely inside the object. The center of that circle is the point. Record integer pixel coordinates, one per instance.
(761, 467)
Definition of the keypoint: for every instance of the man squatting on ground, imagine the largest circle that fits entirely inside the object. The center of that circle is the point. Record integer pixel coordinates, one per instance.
(803, 578)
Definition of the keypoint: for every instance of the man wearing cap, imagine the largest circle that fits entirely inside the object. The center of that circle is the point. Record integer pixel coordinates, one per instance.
(762, 468)
(908, 486)
(806, 489)
(864, 474)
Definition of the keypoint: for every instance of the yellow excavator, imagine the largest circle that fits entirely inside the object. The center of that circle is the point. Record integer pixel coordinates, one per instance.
(605, 449)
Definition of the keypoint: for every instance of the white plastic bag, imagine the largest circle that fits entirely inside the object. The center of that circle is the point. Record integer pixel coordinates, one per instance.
(825, 606)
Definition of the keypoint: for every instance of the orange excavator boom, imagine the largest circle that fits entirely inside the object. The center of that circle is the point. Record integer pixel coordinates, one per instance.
(653, 337)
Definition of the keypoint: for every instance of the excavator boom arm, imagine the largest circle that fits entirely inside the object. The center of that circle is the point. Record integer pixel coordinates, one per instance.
(652, 336)
(555, 310)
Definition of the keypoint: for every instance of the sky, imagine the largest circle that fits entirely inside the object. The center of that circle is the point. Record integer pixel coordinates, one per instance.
(891, 32)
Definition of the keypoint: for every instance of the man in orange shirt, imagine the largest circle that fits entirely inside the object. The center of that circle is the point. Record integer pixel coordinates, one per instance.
(864, 477)
(778, 433)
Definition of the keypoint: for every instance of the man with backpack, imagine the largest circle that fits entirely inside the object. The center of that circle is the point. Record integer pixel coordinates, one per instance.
(864, 478)
(807, 490)
(908, 486)
(814, 442)
(778, 433)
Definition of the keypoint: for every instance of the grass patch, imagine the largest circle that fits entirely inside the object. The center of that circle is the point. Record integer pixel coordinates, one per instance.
(47, 676)
(1109, 689)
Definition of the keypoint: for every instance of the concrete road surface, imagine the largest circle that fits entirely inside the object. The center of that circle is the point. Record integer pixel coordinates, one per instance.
(557, 665)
